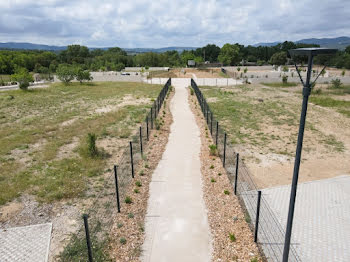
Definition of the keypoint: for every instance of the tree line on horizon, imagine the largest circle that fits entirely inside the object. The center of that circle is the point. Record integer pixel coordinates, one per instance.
(116, 59)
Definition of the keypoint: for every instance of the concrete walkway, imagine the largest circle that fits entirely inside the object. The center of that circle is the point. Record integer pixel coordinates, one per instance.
(176, 223)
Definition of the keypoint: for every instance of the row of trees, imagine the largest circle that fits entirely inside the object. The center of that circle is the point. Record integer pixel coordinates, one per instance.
(116, 59)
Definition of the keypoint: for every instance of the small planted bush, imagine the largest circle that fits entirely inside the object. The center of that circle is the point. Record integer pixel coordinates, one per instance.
(131, 215)
(232, 237)
(212, 167)
(213, 180)
(138, 183)
(226, 192)
(336, 83)
(136, 191)
(91, 142)
(142, 173)
(122, 241)
(219, 174)
(284, 79)
(128, 200)
(192, 92)
(213, 150)
(119, 225)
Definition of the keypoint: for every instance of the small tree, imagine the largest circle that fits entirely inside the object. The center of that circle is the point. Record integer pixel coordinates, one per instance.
(336, 83)
(23, 78)
(119, 67)
(284, 79)
(83, 75)
(245, 70)
(238, 69)
(279, 58)
(66, 73)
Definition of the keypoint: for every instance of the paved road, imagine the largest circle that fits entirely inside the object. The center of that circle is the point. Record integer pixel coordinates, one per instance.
(176, 223)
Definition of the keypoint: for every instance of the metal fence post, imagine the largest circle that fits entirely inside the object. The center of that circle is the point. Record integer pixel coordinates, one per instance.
(147, 128)
(257, 217)
(224, 160)
(217, 132)
(236, 175)
(141, 149)
(207, 113)
(152, 117)
(132, 160)
(211, 123)
(88, 242)
(116, 187)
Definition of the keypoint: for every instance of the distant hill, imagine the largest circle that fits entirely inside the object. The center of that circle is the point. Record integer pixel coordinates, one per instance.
(338, 42)
(30, 46)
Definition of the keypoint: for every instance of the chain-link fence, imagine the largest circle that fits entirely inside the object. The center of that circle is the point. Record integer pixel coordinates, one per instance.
(268, 232)
(91, 242)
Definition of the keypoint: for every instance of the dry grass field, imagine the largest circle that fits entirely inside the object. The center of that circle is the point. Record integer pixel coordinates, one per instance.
(262, 121)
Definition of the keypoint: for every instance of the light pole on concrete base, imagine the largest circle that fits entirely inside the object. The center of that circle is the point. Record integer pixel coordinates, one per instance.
(310, 53)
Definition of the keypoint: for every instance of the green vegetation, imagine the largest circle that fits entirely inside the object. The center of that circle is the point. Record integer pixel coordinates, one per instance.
(116, 59)
(35, 127)
(122, 241)
(283, 84)
(131, 215)
(128, 200)
(341, 106)
(212, 167)
(213, 180)
(138, 183)
(226, 192)
(232, 237)
(23, 78)
(136, 191)
(213, 150)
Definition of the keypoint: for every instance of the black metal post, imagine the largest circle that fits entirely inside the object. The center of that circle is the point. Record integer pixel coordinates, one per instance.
(207, 112)
(141, 149)
(257, 217)
(88, 242)
(147, 130)
(151, 117)
(306, 94)
(224, 160)
(211, 123)
(217, 133)
(132, 160)
(116, 187)
(236, 175)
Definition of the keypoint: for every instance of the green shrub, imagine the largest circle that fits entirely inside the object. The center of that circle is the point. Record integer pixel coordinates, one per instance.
(131, 215)
(232, 237)
(284, 79)
(219, 174)
(128, 200)
(138, 183)
(213, 150)
(213, 180)
(23, 78)
(247, 217)
(142, 173)
(122, 241)
(254, 259)
(226, 192)
(91, 141)
(66, 73)
(136, 191)
(336, 83)
(119, 225)
(212, 167)
(192, 92)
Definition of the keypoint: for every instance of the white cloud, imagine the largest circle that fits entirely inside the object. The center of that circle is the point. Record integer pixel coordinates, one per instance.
(141, 23)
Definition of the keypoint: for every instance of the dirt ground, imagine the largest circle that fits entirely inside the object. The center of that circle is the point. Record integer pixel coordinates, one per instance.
(264, 121)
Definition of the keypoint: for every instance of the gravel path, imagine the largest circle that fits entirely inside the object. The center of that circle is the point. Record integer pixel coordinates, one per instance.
(176, 222)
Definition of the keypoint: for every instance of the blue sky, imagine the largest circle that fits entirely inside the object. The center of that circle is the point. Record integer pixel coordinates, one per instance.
(160, 23)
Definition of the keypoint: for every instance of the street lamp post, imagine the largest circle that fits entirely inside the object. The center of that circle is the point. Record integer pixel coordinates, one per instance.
(310, 53)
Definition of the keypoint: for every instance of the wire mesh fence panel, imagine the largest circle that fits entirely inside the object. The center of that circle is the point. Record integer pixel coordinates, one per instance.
(270, 233)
